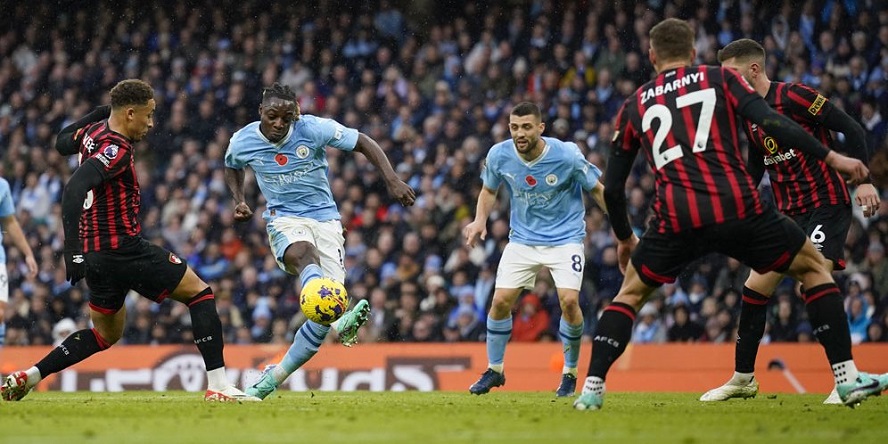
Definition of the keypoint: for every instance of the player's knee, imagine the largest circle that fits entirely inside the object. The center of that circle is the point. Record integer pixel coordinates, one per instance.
(107, 337)
(500, 306)
(569, 302)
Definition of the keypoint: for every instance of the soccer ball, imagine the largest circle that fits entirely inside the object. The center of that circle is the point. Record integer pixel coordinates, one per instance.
(323, 300)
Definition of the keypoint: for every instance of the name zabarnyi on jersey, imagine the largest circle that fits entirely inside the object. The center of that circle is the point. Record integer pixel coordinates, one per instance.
(684, 81)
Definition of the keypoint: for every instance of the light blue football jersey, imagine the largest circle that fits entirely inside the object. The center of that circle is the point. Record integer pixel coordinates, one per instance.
(7, 208)
(292, 174)
(546, 195)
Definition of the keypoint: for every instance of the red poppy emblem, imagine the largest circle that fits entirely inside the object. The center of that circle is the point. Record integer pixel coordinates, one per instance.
(175, 259)
(281, 159)
(530, 180)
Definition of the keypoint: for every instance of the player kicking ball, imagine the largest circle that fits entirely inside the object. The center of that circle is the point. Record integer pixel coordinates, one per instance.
(287, 152)
(546, 179)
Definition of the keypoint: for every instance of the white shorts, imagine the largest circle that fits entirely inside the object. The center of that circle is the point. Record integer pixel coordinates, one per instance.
(520, 264)
(4, 285)
(325, 236)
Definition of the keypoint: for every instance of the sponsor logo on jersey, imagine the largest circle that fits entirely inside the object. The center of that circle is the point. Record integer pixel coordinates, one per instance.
(780, 157)
(551, 179)
(530, 180)
(814, 109)
(302, 152)
(770, 144)
(89, 143)
(175, 259)
(281, 159)
(110, 151)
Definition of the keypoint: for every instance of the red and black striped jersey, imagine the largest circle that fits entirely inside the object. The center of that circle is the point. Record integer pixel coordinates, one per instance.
(685, 122)
(801, 183)
(110, 218)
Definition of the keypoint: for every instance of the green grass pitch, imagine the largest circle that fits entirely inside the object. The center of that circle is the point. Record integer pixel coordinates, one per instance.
(438, 417)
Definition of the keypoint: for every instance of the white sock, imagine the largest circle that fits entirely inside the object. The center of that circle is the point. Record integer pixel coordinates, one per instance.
(569, 370)
(33, 376)
(741, 378)
(496, 367)
(217, 380)
(845, 372)
(279, 373)
(595, 385)
(335, 324)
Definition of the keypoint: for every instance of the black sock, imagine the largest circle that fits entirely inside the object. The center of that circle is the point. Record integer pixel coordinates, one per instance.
(207, 328)
(611, 337)
(75, 348)
(753, 312)
(829, 321)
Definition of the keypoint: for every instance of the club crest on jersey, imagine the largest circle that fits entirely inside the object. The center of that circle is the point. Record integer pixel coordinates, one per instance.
(530, 180)
(551, 179)
(281, 159)
(110, 151)
(175, 259)
(302, 152)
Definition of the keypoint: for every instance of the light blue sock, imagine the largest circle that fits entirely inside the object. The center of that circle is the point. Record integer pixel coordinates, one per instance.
(2, 333)
(571, 335)
(309, 273)
(308, 339)
(498, 334)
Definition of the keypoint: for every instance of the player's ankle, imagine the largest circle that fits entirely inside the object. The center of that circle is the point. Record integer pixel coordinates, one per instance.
(741, 378)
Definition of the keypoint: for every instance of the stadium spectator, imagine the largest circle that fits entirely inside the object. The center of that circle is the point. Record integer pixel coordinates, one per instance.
(208, 61)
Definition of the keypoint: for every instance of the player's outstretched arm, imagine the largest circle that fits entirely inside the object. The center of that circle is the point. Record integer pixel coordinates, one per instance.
(87, 177)
(855, 140)
(396, 187)
(234, 178)
(68, 138)
(478, 227)
(791, 134)
(12, 229)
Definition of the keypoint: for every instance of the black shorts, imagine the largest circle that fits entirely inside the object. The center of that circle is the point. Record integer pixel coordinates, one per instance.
(764, 242)
(151, 271)
(827, 227)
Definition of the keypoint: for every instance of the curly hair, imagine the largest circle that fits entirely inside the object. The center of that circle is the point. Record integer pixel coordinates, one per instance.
(131, 92)
(280, 91)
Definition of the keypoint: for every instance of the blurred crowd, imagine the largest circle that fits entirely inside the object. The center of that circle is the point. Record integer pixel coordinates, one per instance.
(433, 83)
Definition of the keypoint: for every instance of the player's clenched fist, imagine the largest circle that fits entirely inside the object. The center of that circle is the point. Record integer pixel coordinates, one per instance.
(242, 212)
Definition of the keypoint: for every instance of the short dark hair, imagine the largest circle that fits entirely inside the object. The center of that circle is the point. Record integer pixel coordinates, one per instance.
(672, 39)
(280, 91)
(744, 50)
(526, 109)
(131, 92)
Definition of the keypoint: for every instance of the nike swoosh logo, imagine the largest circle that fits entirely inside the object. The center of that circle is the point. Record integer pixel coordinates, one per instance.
(872, 385)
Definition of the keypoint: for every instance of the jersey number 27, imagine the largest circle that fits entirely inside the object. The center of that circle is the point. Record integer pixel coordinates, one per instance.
(706, 97)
